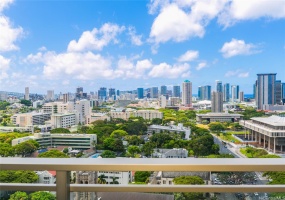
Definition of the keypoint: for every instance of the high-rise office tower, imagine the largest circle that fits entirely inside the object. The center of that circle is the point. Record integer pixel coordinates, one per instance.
(235, 92)
(254, 90)
(278, 92)
(65, 98)
(154, 92)
(187, 93)
(176, 91)
(163, 90)
(204, 92)
(79, 92)
(283, 93)
(27, 93)
(102, 93)
(219, 86)
(217, 102)
(226, 92)
(140, 93)
(118, 92)
(265, 89)
(241, 96)
(50, 95)
(112, 92)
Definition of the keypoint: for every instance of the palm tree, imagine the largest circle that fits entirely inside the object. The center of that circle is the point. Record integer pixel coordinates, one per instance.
(114, 180)
(102, 179)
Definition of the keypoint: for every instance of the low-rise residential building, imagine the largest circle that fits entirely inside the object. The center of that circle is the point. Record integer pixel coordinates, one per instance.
(172, 128)
(97, 116)
(268, 132)
(170, 153)
(218, 117)
(148, 114)
(76, 141)
(46, 177)
(166, 178)
(30, 119)
(145, 114)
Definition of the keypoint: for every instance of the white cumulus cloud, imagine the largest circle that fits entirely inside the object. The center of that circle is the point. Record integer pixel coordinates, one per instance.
(135, 39)
(173, 23)
(82, 66)
(96, 39)
(201, 65)
(180, 20)
(238, 47)
(168, 71)
(4, 4)
(8, 34)
(237, 73)
(4, 66)
(188, 56)
(238, 10)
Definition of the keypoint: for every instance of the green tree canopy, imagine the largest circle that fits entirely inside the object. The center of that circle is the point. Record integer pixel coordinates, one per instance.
(26, 102)
(118, 134)
(41, 195)
(216, 127)
(19, 176)
(147, 148)
(141, 176)
(6, 150)
(19, 196)
(108, 154)
(60, 130)
(26, 148)
(189, 180)
(54, 153)
(133, 150)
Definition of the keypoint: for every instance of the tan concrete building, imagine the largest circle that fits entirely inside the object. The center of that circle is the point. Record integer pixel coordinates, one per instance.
(268, 132)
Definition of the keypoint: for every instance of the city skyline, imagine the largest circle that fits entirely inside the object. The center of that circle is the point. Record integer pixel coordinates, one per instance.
(95, 44)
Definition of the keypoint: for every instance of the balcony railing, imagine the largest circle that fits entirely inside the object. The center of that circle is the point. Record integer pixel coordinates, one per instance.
(63, 166)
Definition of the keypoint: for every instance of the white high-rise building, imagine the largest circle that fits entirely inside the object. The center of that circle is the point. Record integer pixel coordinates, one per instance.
(187, 93)
(27, 93)
(50, 95)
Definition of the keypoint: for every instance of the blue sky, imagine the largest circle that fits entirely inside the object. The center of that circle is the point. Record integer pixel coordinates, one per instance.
(127, 44)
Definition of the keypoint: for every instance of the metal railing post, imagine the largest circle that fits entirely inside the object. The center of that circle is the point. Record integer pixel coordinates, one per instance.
(63, 185)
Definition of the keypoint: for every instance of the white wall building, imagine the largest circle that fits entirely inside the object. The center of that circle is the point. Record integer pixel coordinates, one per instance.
(63, 120)
(76, 141)
(28, 119)
(46, 177)
(27, 93)
(267, 132)
(172, 128)
(50, 95)
(124, 178)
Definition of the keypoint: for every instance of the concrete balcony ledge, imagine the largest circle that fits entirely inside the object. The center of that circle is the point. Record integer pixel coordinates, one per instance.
(63, 166)
(144, 164)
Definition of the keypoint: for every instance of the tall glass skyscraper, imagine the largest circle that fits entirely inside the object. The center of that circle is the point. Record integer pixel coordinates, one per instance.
(278, 92)
(163, 90)
(102, 93)
(140, 93)
(154, 92)
(187, 93)
(176, 91)
(226, 92)
(265, 89)
(204, 92)
(219, 86)
(235, 92)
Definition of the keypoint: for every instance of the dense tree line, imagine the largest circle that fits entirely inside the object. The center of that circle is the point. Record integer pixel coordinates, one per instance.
(33, 196)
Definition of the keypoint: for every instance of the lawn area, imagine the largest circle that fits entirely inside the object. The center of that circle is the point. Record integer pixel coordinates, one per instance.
(236, 132)
(228, 137)
(202, 126)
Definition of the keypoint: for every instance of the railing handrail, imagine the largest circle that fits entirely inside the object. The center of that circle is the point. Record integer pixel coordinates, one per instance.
(144, 164)
(63, 166)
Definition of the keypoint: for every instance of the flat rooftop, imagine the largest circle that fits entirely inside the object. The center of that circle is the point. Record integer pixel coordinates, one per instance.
(272, 120)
